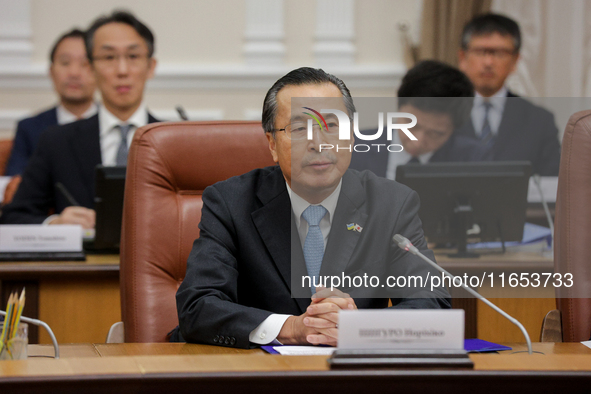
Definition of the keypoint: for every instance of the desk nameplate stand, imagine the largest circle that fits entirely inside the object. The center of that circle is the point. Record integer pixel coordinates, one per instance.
(406, 359)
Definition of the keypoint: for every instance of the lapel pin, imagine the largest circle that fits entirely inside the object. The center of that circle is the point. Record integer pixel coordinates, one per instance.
(354, 227)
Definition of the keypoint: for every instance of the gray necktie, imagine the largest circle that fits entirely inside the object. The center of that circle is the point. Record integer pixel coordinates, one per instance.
(121, 159)
(486, 134)
(314, 244)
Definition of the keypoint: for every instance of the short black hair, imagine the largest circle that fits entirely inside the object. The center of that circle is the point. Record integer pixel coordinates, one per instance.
(432, 86)
(490, 23)
(119, 16)
(74, 33)
(301, 76)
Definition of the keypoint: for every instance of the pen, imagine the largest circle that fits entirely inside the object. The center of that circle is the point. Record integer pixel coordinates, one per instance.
(60, 186)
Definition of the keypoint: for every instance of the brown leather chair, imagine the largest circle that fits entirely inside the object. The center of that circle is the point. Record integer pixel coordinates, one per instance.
(169, 166)
(572, 250)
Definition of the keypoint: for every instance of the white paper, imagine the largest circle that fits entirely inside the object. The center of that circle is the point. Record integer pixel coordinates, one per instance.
(39, 238)
(401, 329)
(304, 350)
(587, 343)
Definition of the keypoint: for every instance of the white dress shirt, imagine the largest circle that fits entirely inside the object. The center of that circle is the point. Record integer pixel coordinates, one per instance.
(64, 116)
(110, 135)
(267, 331)
(396, 159)
(495, 113)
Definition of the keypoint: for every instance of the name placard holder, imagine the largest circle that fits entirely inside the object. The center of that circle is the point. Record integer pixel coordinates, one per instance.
(410, 339)
(38, 243)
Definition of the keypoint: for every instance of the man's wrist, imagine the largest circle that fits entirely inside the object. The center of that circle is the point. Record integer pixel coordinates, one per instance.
(50, 219)
(287, 335)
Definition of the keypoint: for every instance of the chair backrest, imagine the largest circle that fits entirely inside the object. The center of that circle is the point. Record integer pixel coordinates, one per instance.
(169, 166)
(5, 147)
(572, 251)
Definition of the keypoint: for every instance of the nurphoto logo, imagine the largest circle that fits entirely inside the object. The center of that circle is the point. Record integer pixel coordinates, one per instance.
(339, 125)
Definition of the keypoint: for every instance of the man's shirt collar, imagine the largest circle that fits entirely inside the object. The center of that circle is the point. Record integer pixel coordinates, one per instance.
(108, 121)
(298, 204)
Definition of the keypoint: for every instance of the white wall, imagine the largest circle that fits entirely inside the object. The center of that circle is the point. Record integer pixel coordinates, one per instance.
(200, 49)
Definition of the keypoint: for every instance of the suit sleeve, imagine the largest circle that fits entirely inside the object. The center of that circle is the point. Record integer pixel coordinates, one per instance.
(34, 196)
(19, 155)
(207, 300)
(405, 264)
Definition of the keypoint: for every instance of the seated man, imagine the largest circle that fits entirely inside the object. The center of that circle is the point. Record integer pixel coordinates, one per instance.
(119, 48)
(244, 269)
(74, 83)
(427, 91)
(509, 127)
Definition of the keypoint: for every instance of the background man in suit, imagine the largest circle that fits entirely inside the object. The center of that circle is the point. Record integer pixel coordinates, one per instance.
(119, 48)
(439, 96)
(74, 83)
(247, 263)
(509, 128)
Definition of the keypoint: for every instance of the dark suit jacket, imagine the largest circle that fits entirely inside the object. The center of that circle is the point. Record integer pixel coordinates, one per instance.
(27, 135)
(239, 271)
(456, 148)
(526, 132)
(66, 154)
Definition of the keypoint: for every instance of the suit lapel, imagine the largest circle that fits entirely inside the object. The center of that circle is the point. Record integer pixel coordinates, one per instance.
(85, 143)
(273, 221)
(342, 241)
(509, 126)
(52, 116)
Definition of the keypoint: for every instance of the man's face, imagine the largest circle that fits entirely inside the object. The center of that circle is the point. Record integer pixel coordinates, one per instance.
(121, 66)
(311, 174)
(70, 71)
(488, 61)
(433, 129)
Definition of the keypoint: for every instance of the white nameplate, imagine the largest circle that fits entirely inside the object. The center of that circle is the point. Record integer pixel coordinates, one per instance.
(38, 238)
(401, 329)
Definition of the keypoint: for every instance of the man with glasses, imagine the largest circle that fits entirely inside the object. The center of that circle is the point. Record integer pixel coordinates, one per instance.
(262, 232)
(508, 127)
(119, 48)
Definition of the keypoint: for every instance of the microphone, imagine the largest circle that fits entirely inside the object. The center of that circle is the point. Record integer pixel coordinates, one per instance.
(37, 322)
(538, 182)
(181, 112)
(405, 244)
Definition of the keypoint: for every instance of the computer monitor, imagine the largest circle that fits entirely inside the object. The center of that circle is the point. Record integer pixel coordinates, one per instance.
(477, 201)
(108, 204)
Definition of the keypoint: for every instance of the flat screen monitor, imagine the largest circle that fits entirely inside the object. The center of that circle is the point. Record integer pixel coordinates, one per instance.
(465, 202)
(108, 204)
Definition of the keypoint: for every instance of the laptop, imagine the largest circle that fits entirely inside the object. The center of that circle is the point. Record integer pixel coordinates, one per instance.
(108, 205)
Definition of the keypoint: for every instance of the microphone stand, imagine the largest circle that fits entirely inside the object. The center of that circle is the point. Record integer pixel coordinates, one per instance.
(37, 322)
(405, 244)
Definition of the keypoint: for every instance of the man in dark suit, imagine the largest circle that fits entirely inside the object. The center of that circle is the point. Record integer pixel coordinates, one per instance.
(508, 127)
(119, 48)
(74, 83)
(440, 97)
(274, 233)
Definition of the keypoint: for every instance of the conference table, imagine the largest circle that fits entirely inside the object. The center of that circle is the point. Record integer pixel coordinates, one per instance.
(80, 299)
(179, 368)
